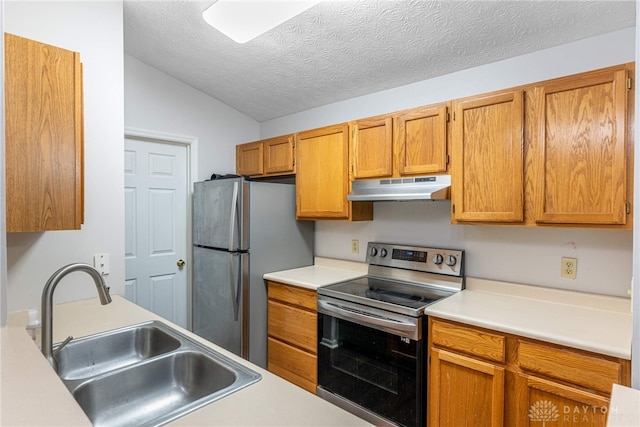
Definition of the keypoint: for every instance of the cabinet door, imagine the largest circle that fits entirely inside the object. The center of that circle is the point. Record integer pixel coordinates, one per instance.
(487, 158)
(293, 364)
(322, 183)
(278, 155)
(249, 159)
(44, 137)
(371, 147)
(421, 140)
(464, 391)
(580, 169)
(543, 402)
(322, 178)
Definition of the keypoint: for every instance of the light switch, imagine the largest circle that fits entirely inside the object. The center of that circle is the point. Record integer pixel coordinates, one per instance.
(101, 263)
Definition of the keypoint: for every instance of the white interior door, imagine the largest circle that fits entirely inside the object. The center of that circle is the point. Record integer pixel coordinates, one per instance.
(156, 206)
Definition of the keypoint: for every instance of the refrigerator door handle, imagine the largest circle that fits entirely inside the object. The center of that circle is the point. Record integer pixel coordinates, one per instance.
(232, 218)
(234, 281)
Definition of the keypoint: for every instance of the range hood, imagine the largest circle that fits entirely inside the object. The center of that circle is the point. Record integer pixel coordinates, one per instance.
(401, 189)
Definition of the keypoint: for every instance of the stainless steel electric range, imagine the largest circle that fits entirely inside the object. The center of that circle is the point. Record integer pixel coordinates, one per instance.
(372, 332)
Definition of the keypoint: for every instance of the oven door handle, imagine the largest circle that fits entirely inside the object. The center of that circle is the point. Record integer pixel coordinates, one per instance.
(394, 326)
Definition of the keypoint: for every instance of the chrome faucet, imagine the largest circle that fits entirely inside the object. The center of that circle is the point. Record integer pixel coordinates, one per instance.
(47, 305)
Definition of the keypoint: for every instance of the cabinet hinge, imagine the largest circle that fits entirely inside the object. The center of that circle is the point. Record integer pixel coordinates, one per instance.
(448, 159)
(293, 162)
(628, 207)
(293, 144)
(629, 80)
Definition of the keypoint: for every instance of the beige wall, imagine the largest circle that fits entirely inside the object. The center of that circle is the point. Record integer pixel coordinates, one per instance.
(95, 29)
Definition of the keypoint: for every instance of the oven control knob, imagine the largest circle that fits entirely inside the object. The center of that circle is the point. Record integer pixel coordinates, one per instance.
(383, 252)
(373, 251)
(451, 260)
(437, 259)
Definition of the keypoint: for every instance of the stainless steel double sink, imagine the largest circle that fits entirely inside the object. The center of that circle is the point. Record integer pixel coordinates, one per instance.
(146, 375)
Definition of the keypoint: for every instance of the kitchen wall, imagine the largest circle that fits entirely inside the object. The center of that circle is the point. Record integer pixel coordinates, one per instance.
(157, 102)
(95, 30)
(514, 254)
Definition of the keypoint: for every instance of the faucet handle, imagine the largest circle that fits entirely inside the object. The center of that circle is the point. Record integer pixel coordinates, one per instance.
(61, 346)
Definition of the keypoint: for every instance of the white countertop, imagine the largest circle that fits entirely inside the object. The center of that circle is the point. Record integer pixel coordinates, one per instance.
(325, 271)
(33, 395)
(596, 323)
(624, 409)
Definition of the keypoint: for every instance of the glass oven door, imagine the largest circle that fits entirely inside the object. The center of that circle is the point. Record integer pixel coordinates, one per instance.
(376, 369)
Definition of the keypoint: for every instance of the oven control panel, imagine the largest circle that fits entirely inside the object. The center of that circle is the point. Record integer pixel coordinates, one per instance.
(429, 260)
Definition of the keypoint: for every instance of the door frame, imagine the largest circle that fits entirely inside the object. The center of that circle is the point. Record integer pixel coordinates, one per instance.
(191, 145)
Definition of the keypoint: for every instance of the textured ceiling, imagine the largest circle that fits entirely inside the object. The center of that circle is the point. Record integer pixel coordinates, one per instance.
(343, 49)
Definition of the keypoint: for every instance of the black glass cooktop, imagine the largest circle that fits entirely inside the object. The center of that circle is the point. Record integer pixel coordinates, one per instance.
(387, 294)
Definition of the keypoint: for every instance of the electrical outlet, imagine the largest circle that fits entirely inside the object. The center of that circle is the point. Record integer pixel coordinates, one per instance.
(355, 246)
(569, 268)
(101, 263)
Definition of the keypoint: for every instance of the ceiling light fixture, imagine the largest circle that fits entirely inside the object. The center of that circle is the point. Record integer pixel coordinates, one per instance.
(244, 20)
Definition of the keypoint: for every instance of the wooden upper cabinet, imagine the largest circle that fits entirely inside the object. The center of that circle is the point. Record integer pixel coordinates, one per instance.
(278, 155)
(43, 137)
(322, 180)
(421, 140)
(579, 149)
(371, 147)
(410, 142)
(487, 158)
(250, 159)
(273, 156)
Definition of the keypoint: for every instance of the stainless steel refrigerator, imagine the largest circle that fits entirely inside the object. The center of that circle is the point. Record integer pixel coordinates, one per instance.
(241, 230)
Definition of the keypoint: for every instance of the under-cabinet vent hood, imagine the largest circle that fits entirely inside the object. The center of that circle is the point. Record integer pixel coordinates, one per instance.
(401, 189)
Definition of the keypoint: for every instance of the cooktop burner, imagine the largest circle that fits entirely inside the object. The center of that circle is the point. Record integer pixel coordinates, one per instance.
(395, 297)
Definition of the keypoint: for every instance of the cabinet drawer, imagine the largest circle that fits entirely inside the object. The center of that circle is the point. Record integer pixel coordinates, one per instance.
(468, 340)
(293, 325)
(293, 295)
(293, 364)
(577, 368)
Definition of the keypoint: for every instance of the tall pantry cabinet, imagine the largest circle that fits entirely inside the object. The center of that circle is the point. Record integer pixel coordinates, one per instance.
(43, 137)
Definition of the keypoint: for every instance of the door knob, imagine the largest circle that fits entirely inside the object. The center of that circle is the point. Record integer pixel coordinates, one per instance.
(180, 263)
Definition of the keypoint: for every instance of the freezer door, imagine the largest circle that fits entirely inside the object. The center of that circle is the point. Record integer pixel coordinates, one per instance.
(219, 298)
(218, 214)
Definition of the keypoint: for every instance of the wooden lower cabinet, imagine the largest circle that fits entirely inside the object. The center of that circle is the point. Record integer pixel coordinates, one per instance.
(292, 330)
(542, 401)
(465, 391)
(480, 377)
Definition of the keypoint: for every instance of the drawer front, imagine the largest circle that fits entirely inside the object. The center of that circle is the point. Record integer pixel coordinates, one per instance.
(293, 295)
(293, 325)
(581, 369)
(293, 364)
(468, 340)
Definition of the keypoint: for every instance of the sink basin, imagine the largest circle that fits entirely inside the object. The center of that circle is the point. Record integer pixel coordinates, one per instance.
(104, 352)
(146, 375)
